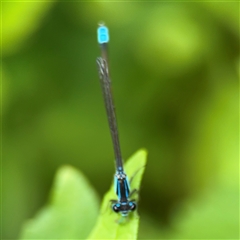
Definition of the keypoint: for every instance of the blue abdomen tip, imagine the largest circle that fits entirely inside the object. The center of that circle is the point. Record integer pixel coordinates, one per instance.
(103, 36)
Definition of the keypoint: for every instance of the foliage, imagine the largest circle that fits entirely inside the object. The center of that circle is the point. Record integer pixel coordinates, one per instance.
(73, 208)
(174, 69)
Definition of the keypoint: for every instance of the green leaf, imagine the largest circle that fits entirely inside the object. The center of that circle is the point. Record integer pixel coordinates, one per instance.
(111, 225)
(72, 211)
(73, 208)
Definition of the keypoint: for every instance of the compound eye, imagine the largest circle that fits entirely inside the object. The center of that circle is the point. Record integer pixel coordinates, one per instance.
(116, 207)
(132, 205)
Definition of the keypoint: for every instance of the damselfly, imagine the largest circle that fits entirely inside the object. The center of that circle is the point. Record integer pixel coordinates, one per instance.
(123, 204)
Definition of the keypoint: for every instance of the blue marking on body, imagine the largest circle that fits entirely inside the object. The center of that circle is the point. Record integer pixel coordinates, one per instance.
(128, 184)
(103, 36)
(126, 188)
(119, 191)
(115, 184)
(130, 204)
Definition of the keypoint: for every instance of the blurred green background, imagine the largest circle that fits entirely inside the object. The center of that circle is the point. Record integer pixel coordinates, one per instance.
(175, 71)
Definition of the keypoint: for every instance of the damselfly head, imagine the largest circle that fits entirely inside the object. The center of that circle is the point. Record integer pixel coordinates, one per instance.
(124, 207)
